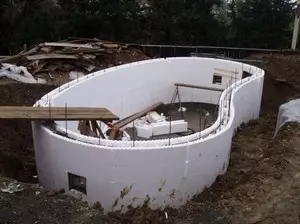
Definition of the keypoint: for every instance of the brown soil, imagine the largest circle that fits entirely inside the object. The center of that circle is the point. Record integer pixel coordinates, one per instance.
(33, 205)
(262, 184)
(16, 147)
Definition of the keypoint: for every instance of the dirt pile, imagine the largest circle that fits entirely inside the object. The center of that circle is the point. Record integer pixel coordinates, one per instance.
(33, 204)
(16, 146)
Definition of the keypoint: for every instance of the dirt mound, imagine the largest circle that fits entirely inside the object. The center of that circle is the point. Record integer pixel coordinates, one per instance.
(33, 204)
(16, 146)
(282, 80)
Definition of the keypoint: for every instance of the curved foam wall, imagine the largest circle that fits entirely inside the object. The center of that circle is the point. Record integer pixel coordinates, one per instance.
(169, 174)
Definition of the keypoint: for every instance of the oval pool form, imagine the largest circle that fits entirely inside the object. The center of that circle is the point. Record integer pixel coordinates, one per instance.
(162, 172)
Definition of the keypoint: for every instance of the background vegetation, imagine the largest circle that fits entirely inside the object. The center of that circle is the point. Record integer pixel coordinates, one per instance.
(242, 23)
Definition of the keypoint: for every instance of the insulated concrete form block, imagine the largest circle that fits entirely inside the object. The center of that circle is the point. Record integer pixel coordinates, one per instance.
(170, 172)
(150, 171)
(45, 159)
(144, 131)
(88, 161)
(164, 127)
(205, 165)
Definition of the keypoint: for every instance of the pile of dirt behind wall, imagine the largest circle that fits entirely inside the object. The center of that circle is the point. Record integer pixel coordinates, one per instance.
(16, 146)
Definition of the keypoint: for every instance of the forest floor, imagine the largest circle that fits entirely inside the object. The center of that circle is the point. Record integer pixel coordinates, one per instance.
(262, 184)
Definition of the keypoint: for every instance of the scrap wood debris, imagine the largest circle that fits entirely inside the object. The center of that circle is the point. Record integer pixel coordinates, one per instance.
(59, 62)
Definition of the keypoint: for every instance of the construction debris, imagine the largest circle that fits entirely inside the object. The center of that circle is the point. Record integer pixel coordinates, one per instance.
(19, 74)
(60, 62)
(11, 187)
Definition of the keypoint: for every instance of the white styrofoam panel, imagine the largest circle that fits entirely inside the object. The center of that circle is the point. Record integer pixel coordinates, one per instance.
(168, 174)
(144, 91)
(144, 131)
(163, 128)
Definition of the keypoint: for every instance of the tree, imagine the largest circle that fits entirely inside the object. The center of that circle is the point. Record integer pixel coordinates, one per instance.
(264, 23)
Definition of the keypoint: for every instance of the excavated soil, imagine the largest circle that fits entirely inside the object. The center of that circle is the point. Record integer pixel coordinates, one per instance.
(16, 147)
(262, 184)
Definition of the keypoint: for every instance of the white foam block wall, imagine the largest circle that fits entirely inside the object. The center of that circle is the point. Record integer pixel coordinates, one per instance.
(135, 86)
(169, 175)
(164, 127)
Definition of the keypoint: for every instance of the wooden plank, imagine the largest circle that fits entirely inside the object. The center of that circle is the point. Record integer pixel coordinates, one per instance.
(83, 39)
(50, 56)
(110, 45)
(81, 51)
(115, 132)
(56, 44)
(198, 87)
(56, 113)
(125, 121)
(18, 56)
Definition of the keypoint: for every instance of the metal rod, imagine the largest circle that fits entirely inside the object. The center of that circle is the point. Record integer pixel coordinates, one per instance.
(66, 119)
(178, 95)
(50, 110)
(170, 127)
(221, 110)
(230, 93)
(100, 133)
(198, 87)
(133, 133)
(235, 78)
(59, 83)
(200, 128)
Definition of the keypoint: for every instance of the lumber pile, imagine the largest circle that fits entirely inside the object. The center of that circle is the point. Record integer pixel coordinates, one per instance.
(54, 61)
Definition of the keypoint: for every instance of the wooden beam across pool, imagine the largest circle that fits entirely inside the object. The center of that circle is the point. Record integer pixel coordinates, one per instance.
(198, 87)
(56, 113)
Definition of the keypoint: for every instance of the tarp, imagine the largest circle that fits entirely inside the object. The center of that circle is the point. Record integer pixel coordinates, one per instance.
(288, 112)
(18, 73)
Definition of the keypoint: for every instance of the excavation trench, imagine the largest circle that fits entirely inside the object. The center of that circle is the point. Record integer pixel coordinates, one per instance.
(17, 158)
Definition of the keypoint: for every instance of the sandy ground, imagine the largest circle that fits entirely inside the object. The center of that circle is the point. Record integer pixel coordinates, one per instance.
(262, 184)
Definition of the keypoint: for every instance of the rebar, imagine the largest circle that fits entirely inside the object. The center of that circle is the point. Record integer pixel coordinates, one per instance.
(66, 119)
(200, 128)
(49, 110)
(133, 133)
(99, 132)
(170, 127)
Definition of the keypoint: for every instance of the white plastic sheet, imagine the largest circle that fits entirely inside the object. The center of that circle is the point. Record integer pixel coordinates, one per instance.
(19, 74)
(288, 112)
(75, 75)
